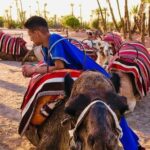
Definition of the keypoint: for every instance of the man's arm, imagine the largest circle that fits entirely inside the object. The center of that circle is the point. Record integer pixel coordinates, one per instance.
(43, 69)
(29, 70)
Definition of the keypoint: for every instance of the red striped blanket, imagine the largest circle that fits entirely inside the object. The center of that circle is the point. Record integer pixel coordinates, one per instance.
(42, 85)
(135, 59)
(11, 45)
(114, 39)
(89, 49)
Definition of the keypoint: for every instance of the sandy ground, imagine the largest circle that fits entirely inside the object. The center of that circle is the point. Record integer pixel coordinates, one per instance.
(12, 88)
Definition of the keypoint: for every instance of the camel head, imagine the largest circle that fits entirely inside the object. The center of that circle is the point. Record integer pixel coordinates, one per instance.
(97, 128)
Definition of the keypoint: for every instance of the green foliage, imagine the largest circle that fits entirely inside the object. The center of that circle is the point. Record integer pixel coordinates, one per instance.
(146, 1)
(12, 24)
(95, 24)
(70, 21)
(1, 21)
(51, 23)
(134, 10)
(110, 26)
(85, 25)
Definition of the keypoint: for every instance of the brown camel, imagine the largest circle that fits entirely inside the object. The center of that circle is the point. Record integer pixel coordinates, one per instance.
(53, 135)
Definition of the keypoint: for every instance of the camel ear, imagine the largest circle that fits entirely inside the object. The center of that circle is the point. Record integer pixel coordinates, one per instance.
(117, 102)
(115, 79)
(123, 105)
(68, 84)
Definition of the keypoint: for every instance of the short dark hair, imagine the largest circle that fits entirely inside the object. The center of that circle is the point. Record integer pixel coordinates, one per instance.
(36, 22)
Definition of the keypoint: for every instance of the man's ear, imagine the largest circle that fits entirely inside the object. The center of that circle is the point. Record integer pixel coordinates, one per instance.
(68, 84)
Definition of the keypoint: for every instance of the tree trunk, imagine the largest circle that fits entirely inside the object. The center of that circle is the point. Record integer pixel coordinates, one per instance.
(135, 25)
(149, 23)
(143, 29)
(103, 20)
(121, 19)
(113, 17)
(128, 25)
(141, 10)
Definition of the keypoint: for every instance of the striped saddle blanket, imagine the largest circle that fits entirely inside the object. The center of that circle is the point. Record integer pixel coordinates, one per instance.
(133, 58)
(114, 39)
(50, 84)
(87, 47)
(11, 45)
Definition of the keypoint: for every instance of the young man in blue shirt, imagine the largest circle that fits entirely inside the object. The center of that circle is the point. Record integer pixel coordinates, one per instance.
(58, 52)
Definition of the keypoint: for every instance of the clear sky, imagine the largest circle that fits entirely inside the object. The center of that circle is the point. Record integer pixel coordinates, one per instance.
(62, 7)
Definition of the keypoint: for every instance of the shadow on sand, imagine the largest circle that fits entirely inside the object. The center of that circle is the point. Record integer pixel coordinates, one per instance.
(12, 87)
(9, 113)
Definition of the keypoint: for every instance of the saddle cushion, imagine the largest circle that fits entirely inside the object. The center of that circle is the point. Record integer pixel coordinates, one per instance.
(11, 45)
(42, 89)
(135, 59)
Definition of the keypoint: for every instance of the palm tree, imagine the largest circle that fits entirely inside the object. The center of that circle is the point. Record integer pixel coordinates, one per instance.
(38, 8)
(105, 14)
(80, 6)
(113, 17)
(149, 22)
(7, 15)
(134, 12)
(143, 29)
(45, 11)
(102, 17)
(10, 12)
(72, 11)
(141, 10)
(97, 13)
(20, 12)
(121, 19)
(127, 21)
(30, 10)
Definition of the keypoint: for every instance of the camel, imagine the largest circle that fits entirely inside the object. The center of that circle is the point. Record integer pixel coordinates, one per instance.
(53, 132)
(122, 64)
(94, 130)
(14, 48)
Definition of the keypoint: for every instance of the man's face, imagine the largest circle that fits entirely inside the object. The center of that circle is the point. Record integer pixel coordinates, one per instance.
(35, 37)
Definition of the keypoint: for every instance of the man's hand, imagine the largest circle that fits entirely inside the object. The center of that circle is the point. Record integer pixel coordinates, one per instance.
(28, 70)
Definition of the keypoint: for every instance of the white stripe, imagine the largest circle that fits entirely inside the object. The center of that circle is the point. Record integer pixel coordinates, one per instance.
(14, 47)
(38, 89)
(1, 40)
(7, 45)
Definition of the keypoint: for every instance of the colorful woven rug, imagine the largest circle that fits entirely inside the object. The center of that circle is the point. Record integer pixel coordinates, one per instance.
(133, 58)
(42, 85)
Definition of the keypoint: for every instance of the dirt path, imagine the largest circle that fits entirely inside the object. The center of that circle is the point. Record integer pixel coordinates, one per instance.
(12, 88)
